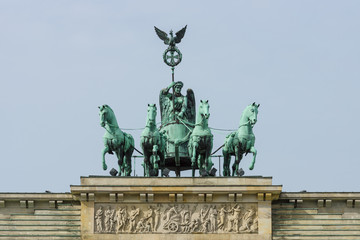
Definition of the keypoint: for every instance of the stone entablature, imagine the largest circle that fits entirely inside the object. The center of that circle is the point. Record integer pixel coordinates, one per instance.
(180, 208)
(218, 208)
(29, 200)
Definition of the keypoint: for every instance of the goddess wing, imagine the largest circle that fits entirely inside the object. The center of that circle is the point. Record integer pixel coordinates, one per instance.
(180, 34)
(164, 107)
(191, 110)
(162, 35)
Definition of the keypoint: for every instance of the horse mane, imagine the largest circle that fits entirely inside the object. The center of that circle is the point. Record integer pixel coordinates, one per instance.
(108, 107)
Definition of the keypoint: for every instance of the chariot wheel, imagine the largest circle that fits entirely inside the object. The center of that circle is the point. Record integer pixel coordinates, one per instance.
(173, 227)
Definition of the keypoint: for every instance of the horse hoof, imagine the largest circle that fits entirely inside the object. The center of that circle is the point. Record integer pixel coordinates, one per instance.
(104, 167)
(251, 167)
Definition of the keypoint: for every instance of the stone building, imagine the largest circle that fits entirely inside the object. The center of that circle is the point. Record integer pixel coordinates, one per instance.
(193, 208)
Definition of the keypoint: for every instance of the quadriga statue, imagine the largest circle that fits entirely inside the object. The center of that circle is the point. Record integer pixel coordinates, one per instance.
(242, 141)
(116, 141)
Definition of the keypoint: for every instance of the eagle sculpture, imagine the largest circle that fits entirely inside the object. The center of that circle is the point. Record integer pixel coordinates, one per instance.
(171, 41)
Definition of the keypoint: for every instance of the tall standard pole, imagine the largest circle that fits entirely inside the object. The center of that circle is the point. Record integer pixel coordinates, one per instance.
(173, 91)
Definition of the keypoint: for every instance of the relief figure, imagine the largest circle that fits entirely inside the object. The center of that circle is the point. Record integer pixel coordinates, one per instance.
(204, 219)
(248, 219)
(235, 218)
(132, 218)
(140, 226)
(121, 217)
(149, 219)
(98, 219)
(157, 218)
(222, 215)
(109, 219)
(172, 219)
(213, 217)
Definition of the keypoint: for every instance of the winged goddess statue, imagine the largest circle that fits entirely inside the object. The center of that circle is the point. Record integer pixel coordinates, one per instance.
(172, 55)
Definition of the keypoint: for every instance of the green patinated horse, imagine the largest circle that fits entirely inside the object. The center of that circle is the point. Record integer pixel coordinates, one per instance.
(242, 141)
(201, 141)
(116, 141)
(153, 144)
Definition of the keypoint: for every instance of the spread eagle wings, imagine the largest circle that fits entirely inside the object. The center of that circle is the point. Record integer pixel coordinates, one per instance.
(164, 36)
(180, 34)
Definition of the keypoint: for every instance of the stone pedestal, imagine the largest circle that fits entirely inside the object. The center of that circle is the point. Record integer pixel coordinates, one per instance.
(176, 208)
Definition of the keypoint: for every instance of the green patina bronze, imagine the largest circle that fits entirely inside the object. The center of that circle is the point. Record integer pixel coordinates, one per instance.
(201, 141)
(175, 105)
(242, 141)
(172, 55)
(180, 143)
(116, 141)
(177, 121)
(152, 143)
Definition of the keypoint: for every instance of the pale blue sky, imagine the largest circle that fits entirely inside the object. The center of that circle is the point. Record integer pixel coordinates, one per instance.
(300, 60)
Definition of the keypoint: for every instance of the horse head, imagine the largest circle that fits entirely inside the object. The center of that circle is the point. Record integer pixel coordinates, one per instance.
(251, 113)
(106, 115)
(151, 113)
(204, 109)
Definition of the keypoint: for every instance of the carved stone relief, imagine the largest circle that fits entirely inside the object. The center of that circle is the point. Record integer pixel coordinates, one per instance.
(175, 218)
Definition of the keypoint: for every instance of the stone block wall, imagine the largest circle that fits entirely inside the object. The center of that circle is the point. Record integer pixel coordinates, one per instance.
(247, 208)
(316, 216)
(33, 216)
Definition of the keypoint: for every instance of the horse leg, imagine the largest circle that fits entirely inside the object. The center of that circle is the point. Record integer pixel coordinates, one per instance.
(209, 163)
(254, 152)
(120, 157)
(200, 161)
(146, 163)
(193, 153)
(208, 160)
(152, 165)
(238, 157)
(226, 164)
(155, 163)
(127, 162)
(194, 157)
(177, 172)
(104, 151)
(162, 161)
(236, 153)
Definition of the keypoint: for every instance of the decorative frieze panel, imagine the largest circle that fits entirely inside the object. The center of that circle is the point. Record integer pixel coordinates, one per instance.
(175, 218)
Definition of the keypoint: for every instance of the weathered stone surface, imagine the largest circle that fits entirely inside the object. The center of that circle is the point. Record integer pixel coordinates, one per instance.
(218, 208)
(316, 215)
(228, 200)
(46, 216)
